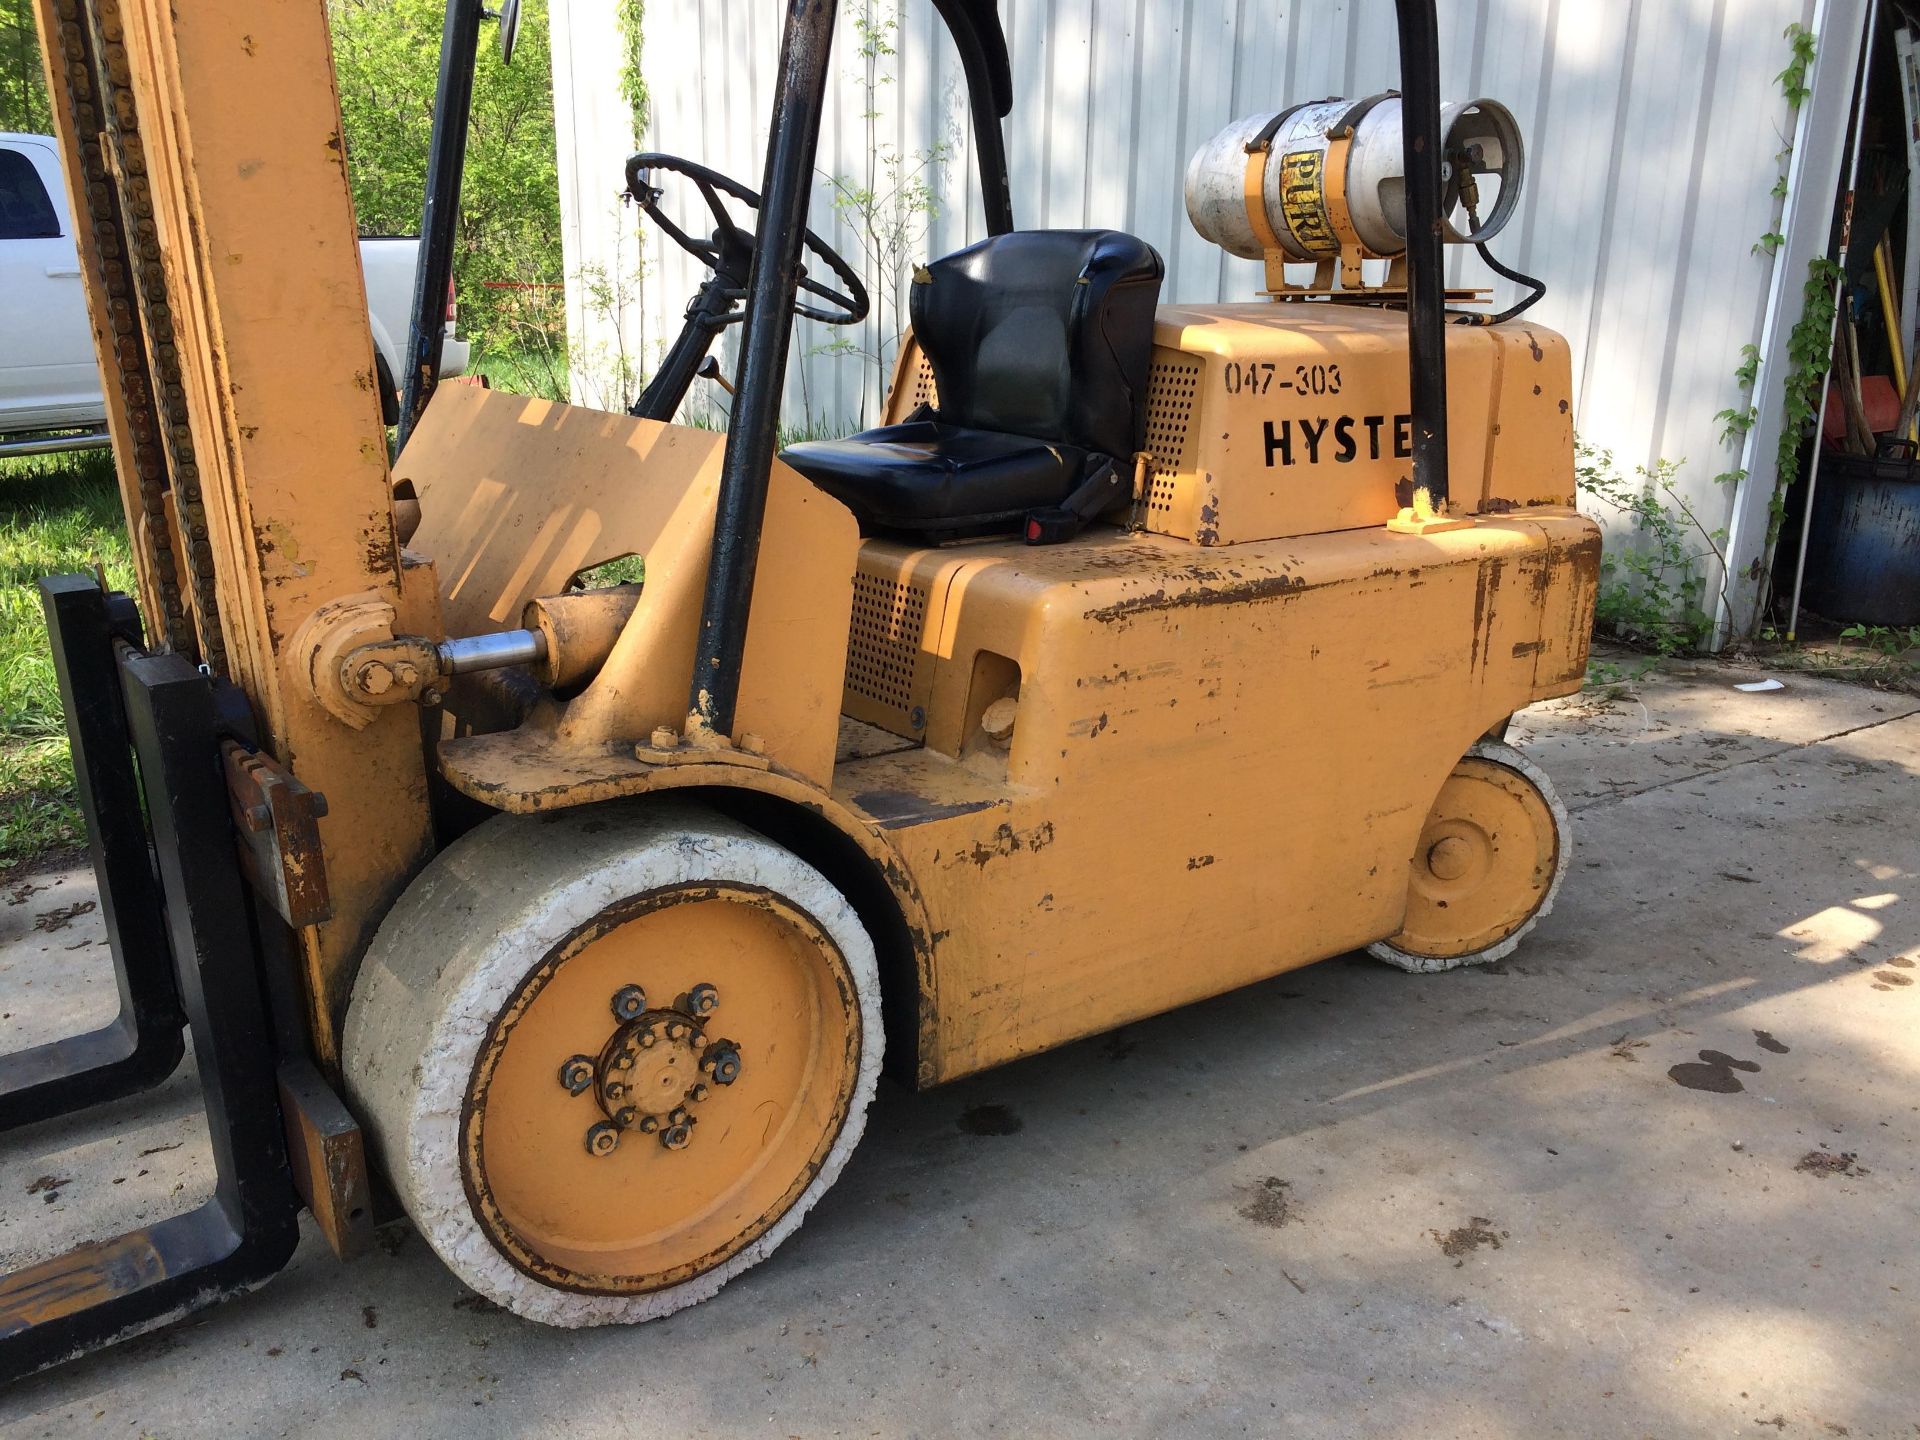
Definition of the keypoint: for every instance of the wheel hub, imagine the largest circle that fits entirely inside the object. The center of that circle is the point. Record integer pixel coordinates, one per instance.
(656, 1069)
(1450, 857)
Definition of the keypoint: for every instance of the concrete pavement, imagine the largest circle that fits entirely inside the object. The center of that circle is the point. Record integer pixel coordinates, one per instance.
(1653, 1175)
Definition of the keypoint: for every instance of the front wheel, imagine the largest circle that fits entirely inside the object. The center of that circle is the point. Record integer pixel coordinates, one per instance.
(610, 1058)
(1488, 865)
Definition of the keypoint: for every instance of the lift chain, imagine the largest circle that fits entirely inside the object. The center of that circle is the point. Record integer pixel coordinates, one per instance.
(150, 281)
(75, 72)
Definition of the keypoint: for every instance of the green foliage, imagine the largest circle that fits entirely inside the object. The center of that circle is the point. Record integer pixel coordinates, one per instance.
(1896, 642)
(1612, 678)
(23, 89)
(507, 246)
(58, 514)
(1793, 79)
(1653, 579)
(1809, 353)
(631, 17)
(1807, 346)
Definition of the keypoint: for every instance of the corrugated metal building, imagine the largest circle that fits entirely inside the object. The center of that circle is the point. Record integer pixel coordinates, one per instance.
(1656, 131)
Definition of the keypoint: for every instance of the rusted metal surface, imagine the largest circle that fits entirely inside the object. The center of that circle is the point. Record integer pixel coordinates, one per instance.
(1294, 420)
(502, 534)
(241, 159)
(580, 628)
(157, 307)
(328, 1158)
(106, 263)
(1202, 739)
(276, 822)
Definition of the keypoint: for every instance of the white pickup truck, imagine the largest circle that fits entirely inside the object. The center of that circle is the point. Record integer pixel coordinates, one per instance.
(49, 385)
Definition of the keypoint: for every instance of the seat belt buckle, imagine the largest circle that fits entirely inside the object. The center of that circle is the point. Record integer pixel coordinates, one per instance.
(1051, 526)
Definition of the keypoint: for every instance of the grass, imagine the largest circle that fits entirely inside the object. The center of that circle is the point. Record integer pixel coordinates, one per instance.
(58, 514)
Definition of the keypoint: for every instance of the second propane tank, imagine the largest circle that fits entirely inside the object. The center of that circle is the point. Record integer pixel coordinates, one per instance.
(1307, 207)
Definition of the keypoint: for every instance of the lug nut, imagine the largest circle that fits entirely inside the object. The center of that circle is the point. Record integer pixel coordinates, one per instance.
(649, 1124)
(722, 1062)
(675, 1030)
(577, 1075)
(676, 1137)
(603, 1139)
(625, 1117)
(701, 1000)
(698, 1092)
(648, 1039)
(677, 1116)
(629, 1002)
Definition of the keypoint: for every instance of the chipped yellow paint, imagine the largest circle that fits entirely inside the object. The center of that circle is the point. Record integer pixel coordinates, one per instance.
(1214, 743)
(1221, 763)
(518, 495)
(239, 127)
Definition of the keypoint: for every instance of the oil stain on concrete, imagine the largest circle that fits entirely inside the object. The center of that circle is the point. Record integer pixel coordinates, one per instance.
(1713, 1073)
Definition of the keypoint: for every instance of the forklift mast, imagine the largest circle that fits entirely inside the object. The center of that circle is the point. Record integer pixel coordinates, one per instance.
(203, 151)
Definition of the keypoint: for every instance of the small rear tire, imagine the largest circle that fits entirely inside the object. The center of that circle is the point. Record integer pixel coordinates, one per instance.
(610, 1058)
(1488, 865)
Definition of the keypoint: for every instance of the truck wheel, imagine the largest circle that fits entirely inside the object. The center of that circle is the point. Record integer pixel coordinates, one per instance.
(610, 1058)
(1489, 862)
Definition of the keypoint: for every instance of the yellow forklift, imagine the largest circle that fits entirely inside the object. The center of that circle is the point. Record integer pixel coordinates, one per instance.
(1147, 651)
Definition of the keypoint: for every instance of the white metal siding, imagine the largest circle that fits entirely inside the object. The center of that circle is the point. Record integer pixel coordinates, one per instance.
(1653, 130)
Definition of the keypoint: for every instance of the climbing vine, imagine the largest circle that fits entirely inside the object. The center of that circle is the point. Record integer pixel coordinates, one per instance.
(1809, 352)
(1807, 345)
(631, 16)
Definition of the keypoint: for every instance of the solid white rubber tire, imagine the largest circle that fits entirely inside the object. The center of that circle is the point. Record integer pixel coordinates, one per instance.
(1506, 756)
(455, 948)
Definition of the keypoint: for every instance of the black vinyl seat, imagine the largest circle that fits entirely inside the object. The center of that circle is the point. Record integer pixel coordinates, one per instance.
(1040, 343)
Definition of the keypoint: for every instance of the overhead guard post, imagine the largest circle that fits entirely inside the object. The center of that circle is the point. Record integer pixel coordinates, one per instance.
(1426, 286)
(753, 433)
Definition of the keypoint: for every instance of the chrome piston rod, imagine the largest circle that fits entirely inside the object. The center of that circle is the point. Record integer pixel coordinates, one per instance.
(466, 653)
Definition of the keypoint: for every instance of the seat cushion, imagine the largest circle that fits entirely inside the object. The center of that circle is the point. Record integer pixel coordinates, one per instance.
(936, 480)
(1047, 333)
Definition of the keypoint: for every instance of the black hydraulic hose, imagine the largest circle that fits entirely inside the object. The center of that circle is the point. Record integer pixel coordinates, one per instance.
(1426, 285)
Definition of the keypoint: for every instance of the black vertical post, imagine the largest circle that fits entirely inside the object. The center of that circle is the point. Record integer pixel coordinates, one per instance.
(754, 431)
(1426, 286)
(452, 112)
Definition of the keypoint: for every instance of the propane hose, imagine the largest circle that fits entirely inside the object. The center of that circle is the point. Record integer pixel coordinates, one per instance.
(1470, 199)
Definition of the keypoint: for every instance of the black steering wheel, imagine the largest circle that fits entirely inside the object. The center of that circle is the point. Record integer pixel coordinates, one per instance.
(729, 253)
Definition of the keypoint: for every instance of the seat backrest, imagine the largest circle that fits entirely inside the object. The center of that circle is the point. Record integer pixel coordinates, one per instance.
(1047, 333)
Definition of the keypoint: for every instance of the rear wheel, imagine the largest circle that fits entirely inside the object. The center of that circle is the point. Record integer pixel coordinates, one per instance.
(1488, 865)
(611, 1058)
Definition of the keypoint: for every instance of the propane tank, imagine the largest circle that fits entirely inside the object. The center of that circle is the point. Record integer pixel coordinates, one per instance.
(1309, 206)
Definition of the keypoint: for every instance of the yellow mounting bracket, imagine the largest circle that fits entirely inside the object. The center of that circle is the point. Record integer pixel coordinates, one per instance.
(1420, 518)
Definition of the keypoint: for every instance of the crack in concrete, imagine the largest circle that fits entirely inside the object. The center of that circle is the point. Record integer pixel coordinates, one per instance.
(1716, 771)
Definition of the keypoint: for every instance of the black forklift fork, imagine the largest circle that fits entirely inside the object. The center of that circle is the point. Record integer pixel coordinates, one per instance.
(142, 1045)
(191, 948)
